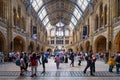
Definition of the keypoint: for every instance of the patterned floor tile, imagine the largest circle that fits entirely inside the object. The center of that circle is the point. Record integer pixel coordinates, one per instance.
(61, 74)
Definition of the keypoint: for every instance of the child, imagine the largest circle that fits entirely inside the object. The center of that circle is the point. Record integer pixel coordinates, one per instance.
(57, 60)
(22, 66)
(111, 63)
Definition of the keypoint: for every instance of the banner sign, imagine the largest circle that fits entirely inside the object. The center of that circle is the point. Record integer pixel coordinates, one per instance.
(34, 35)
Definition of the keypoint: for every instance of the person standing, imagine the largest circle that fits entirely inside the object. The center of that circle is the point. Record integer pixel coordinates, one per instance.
(72, 58)
(89, 63)
(66, 58)
(117, 62)
(111, 63)
(22, 65)
(79, 59)
(106, 57)
(57, 61)
(38, 57)
(25, 57)
(34, 65)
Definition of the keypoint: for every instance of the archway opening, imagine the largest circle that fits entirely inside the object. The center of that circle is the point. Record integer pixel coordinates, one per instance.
(100, 44)
(2, 43)
(117, 42)
(19, 44)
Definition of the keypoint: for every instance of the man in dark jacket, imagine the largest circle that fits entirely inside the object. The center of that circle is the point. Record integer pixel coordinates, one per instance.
(89, 63)
(72, 58)
(117, 62)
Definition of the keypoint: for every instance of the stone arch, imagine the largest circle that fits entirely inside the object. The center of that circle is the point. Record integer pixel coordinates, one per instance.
(100, 44)
(2, 42)
(19, 44)
(117, 42)
(87, 46)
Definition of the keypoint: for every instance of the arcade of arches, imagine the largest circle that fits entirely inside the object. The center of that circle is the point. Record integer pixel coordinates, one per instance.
(2, 43)
(97, 28)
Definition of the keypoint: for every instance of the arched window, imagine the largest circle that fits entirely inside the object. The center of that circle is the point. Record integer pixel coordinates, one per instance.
(105, 17)
(96, 22)
(15, 17)
(88, 27)
(19, 22)
(52, 32)
(67, 32)
(23, 23)
(31, 25)
(19, 11)
(101, 15)
(3, 9)
(118, 8)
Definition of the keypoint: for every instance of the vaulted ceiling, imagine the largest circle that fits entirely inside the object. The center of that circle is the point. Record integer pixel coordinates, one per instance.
(66, 11)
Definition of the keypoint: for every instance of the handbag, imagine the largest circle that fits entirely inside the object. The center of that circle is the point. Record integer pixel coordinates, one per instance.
(46, 60)
(17, 62)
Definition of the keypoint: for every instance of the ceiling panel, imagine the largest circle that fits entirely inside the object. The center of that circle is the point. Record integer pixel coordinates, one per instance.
(66, 11)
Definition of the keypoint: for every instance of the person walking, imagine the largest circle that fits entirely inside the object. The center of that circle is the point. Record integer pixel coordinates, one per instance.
(93, 62)
(43, 61)
(89, 60)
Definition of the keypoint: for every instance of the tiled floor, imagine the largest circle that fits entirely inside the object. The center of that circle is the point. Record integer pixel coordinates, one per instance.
(9, 71)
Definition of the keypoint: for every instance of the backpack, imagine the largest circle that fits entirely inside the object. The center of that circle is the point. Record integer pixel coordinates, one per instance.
(17, 62)
(33, 62)
(86, 58)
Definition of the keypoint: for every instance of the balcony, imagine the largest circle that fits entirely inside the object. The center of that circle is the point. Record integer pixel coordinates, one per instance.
(100, 30)
(3, 22)
(116, 21)
(20, 31)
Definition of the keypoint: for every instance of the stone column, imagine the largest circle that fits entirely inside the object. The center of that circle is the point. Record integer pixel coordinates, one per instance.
(10, 25)
(109, 28)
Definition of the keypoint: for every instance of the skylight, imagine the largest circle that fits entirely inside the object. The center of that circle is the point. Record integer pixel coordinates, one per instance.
(36, 4)
(71, 26)
(42, 13)
(78, 12)
(60, 24)
(48, 25)
(80, 6)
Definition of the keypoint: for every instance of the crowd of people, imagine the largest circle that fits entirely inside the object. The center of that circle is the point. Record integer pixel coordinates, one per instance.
(35, 59)
(25, 60)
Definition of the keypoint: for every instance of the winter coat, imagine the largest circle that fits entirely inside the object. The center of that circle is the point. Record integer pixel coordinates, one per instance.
(111, 61)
